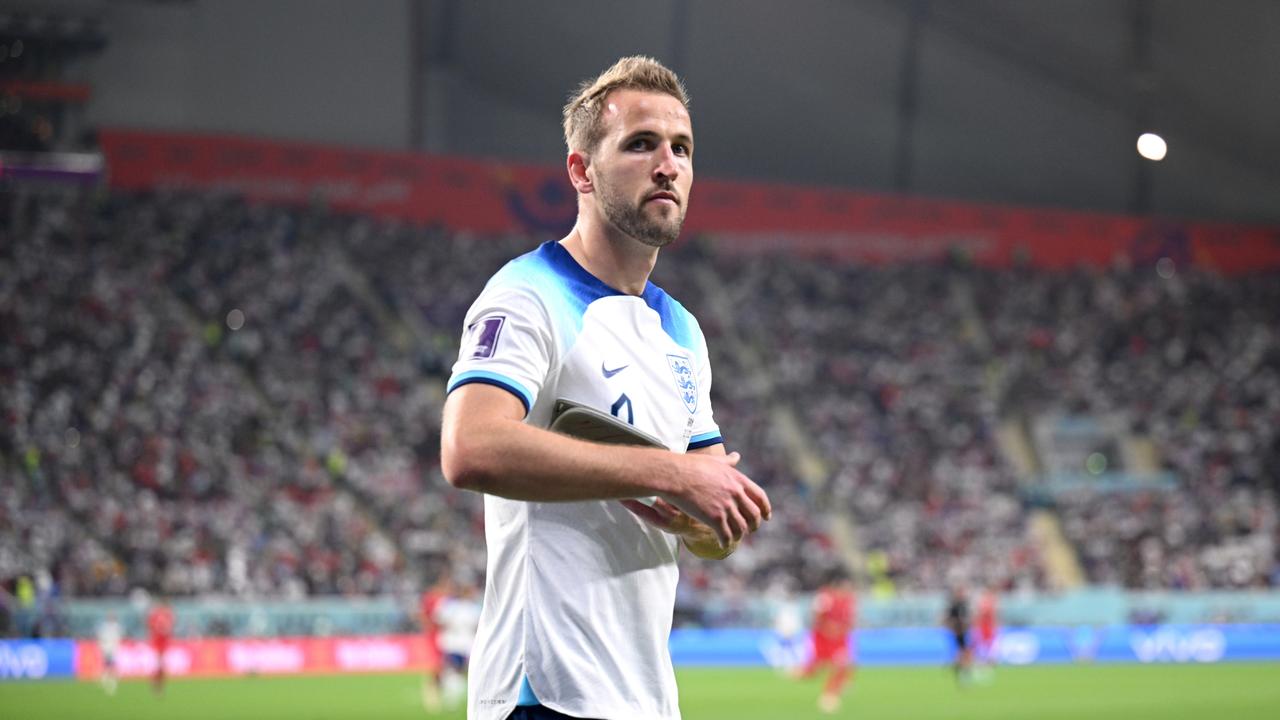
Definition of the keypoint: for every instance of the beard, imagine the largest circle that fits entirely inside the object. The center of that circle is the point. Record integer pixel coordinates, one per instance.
(635, 221)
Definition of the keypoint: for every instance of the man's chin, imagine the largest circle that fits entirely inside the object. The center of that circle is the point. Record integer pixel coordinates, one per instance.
(656, 230)
(660, 235)
(664, 229)
(655, 240)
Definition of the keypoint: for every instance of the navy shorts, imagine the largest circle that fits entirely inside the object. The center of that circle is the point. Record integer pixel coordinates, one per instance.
(537, 712)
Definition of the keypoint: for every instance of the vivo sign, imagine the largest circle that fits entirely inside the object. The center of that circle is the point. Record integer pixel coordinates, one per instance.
(1172, 645)
(1017, 648)
(23, 661)
(36, 659)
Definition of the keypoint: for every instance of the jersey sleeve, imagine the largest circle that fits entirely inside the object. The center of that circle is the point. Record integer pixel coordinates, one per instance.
(506, 342)
(705, 431)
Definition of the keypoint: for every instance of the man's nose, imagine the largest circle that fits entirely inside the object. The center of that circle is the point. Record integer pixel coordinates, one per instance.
(668, 166)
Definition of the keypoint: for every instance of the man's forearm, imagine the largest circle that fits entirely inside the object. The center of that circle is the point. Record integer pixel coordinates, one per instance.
(513, 460)
(485, 446)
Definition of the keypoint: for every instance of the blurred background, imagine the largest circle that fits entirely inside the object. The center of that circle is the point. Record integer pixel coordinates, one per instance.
(968, 330)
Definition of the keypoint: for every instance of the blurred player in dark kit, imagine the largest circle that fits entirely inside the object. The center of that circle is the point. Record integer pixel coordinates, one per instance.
(956, 620)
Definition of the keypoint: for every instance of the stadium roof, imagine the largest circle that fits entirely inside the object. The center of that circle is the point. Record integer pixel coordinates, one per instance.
(1035, 102)
(1027, 101)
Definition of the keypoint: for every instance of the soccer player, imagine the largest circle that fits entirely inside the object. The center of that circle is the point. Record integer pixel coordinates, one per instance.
(789, 648)
(581, 576)
(834, 616)
(956, 620)
(985, 631)
(432, 600)
(160, 629)
(458, 617)
(109, 634)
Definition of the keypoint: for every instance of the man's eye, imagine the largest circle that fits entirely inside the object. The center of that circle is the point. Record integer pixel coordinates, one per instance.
(680, 149)
(640, 144)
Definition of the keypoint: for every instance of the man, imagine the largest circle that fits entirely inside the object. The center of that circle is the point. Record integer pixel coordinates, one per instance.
(985, 629)
(834, 616)
(432, 600)
(458, 617)
(581, 576)
(956, 620)
(788, 650)
(109, 635)
(160, 629)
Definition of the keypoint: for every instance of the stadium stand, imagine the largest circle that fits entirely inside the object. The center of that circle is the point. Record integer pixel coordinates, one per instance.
(204, 396)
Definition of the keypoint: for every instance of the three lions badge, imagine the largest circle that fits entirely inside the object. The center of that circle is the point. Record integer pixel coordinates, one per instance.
(686, 383)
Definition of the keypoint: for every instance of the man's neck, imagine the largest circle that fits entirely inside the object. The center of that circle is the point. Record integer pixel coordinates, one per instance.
(623, 263)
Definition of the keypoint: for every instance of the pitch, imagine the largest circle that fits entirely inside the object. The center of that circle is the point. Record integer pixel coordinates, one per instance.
(1167, 692)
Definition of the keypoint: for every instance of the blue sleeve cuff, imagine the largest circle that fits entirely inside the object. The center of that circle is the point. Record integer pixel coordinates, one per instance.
(705, 440)
(490, 378)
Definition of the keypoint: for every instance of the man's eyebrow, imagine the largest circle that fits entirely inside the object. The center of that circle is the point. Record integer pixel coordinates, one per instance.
(679, 137)
(637, 134)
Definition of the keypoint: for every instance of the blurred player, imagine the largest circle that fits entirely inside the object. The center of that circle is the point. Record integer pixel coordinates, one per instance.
(956, 620)
(984, 626)
(788, 649)
(834, 616)
(458, 617)
(432, 600)
(160, 630)
(109, 635)
(580, 587)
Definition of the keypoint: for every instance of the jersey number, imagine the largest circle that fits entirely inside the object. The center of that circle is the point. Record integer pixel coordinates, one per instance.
(623, 402)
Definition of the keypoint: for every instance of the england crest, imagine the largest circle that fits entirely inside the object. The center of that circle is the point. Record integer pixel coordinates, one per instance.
(686, 383)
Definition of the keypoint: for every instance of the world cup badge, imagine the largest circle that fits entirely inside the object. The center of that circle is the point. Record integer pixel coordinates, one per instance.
(484, 336)
(686, 382)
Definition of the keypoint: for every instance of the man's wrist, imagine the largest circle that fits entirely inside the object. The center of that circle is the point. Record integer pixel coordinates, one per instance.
(663, 474)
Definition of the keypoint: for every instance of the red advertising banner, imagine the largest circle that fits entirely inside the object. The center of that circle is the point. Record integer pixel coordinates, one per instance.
(493, 197)
(275, 656)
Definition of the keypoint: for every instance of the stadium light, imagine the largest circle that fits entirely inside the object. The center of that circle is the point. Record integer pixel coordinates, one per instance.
(1152, 147)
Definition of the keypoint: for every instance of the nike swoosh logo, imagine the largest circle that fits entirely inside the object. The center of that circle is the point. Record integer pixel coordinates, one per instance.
(610, 373)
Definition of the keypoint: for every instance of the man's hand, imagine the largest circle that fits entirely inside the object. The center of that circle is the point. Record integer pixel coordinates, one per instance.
(700, 539)
(709, 488)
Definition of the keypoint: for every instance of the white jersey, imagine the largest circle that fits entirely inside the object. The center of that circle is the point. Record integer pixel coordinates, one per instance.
(458, 618)
(109, 634)
(579, 596)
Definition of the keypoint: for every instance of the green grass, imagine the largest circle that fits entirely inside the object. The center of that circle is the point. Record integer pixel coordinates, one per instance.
(1099, 692)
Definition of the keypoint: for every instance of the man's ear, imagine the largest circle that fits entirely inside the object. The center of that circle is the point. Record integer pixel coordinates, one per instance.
(577, 164)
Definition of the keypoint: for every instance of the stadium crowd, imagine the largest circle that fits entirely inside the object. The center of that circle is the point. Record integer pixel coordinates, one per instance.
(882, 368)
(206, 396)
(1191, 361)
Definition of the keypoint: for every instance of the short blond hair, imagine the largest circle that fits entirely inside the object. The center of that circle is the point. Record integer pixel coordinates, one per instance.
(583, 128)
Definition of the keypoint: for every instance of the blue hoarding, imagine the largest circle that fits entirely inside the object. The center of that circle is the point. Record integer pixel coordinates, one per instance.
(37, 659)
(1013, 646)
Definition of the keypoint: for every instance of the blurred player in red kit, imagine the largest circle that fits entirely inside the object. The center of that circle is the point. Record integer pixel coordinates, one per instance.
(432, 600)
(834, 616)
(985, 627)
(160, 629)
